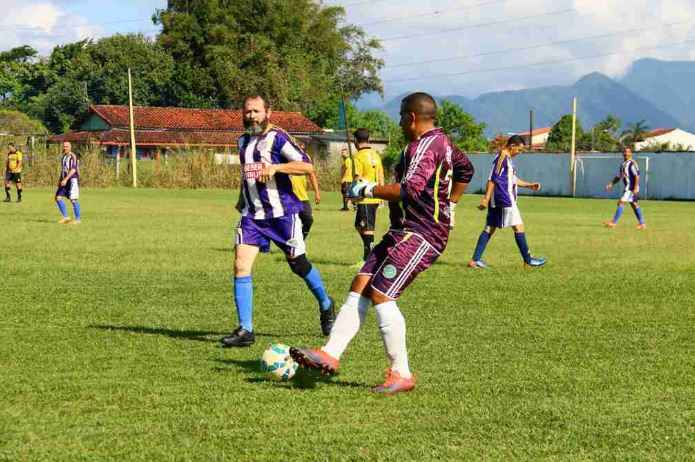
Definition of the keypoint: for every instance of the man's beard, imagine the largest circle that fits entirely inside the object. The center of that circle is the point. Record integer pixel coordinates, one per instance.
(254, 128)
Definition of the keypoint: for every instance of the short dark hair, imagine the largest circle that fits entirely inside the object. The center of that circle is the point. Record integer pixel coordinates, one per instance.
(420, 103)
(516, 140)
(361, 135)
(11, 144)
(266, 101)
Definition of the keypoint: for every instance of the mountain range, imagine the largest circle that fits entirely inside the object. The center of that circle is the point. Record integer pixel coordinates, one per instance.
(660, 92)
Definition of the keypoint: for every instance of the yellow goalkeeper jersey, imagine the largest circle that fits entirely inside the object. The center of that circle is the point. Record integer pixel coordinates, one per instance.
(13, 162)
(368, 167)
(299, 185)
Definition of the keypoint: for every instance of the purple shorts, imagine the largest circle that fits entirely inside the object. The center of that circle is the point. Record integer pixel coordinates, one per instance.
(285, 232)
(71, 190)
(396, 261)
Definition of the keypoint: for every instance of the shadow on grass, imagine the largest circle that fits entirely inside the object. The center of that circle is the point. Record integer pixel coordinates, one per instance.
(303, 379)
(185, 334)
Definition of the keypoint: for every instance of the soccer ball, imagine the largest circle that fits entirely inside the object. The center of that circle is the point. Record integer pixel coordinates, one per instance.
(278, 363)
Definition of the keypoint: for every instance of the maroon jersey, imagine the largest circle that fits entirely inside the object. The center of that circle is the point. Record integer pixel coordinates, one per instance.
(424, 172)
(463, 170)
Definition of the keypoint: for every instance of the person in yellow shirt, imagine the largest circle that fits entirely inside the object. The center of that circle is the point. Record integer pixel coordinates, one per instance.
(368, 167)
(346, 177)
(13, 172)
(299, 187)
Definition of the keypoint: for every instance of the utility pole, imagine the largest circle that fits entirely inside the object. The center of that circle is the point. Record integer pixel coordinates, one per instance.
(133, 147)
(573, 153)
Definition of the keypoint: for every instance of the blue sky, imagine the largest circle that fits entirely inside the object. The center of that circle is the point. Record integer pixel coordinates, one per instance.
(446, 47)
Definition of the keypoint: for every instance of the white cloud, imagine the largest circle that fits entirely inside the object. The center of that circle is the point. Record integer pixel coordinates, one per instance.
(42, 24)
(630, 30)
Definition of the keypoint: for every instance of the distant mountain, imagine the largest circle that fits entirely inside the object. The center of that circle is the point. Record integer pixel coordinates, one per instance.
(668, 85)
(640, 97)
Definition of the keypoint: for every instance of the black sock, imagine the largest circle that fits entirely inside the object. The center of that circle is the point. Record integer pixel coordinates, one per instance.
(19, 194)
(7, 192)
(367, 241)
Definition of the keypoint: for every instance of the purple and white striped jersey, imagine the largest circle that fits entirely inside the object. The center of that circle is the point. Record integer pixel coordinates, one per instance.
(67, 163)
(275, 198)
(504, 177)
(424, 172)
(629, 171)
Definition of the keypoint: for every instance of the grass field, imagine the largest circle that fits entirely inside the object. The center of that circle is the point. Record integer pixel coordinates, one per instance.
(108, 339)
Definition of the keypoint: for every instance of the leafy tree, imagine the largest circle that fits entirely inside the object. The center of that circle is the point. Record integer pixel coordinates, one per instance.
(560, 137)
(462, 127)
(292, 51)
(603, 136)
(634, 132)
(18, 123)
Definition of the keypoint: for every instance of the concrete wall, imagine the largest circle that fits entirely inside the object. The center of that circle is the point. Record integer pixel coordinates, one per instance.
(663, 175)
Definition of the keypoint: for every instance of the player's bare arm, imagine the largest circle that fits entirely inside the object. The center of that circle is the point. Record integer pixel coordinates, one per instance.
(457, 190)
(314, 181)
(526, 184)
(489, 190)
(290, 168)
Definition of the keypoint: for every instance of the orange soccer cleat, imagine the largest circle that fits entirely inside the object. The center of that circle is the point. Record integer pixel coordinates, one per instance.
(395, 384)
(315, 359)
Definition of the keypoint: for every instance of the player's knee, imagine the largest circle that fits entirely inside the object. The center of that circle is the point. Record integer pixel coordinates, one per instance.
(242, 267)
(299, 265)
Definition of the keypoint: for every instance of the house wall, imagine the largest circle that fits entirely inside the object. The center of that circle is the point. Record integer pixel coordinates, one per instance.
(675, 137)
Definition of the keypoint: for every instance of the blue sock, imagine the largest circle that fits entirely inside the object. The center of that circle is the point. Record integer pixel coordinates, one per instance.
(76, 210)
(243, 297)
(480, 246)
(638, 214)
(315, 284)
(62, 208)
(523, 246)
(618, 213)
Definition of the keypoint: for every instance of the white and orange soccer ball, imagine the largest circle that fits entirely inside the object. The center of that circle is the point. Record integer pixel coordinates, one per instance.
(278, 363)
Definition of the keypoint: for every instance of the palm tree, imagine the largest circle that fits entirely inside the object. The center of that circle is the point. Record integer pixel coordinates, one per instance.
(634, 133)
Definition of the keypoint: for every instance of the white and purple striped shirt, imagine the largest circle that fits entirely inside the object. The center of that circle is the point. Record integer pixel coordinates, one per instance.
(275, 198)
(629, 171)
(504, 177)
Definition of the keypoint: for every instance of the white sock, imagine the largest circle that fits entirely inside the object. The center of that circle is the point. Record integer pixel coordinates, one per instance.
(347, 324)
(392, 327)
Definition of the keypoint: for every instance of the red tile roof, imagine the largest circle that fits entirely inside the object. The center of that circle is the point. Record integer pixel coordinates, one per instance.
(196, 119)
(167, 126)
(149, 138)
(657, 132)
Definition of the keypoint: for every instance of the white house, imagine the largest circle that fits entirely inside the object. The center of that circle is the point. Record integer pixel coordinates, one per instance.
(673, 136)
(539, 138)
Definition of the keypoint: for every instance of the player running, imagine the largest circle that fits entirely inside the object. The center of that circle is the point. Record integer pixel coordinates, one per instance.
(629, 173)
(69, 186)
(270, 214)
(13, 172)
(368, 168)
(299, 188)
(419, 206)
(501, 196)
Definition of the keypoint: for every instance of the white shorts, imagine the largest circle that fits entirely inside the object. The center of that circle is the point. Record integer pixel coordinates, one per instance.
(628, 196)
(503, 217)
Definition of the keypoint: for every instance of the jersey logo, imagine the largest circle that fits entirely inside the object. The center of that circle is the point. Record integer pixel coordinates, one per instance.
(253, 170)
(389, 271)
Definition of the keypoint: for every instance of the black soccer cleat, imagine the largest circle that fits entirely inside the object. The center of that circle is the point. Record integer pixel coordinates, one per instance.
(328, 318)
(239, 337)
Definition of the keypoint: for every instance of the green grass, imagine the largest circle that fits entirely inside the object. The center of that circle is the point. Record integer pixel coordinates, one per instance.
(108, 339)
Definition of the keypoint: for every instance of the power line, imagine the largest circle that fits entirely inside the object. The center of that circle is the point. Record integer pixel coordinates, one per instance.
(542, 63)
(533, 47)
(475, 26)
(429, 14)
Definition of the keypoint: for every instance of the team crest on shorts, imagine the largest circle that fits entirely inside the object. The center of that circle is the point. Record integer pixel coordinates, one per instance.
(389, 271)
(293, 243)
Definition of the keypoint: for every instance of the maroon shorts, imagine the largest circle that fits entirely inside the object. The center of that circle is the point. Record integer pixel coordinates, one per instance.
(396, 261)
